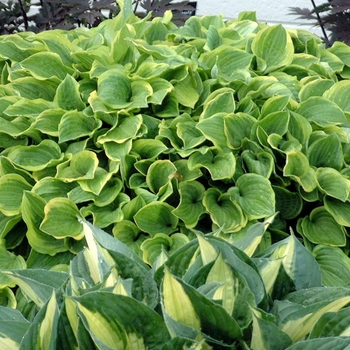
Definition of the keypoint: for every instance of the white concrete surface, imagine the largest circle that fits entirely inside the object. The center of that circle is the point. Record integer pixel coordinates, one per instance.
(270, 11)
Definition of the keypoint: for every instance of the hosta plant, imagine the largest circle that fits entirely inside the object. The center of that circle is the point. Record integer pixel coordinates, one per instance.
(169, 187)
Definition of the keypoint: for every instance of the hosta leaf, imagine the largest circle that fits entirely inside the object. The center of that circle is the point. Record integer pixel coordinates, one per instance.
(334, 264)
(333, 184)
(288, 204)
(274, 104)
(12, 187)
(114, 89)
(161, 243)
(254, 194)
(321, 111)
(13, 326)
(46, 65)
(47, 122)
(326, 152)
(62, 219)
(219, 101)
(187, 90)
(213, 128)
(233, 292)
(294, 262)
(201, 313)
(237, 127)
(74, 125)
(159, 174)
(319, 224)
(315, 87)
(336, 343)
(266, 334)
(190, 207)
(33, 214)
(261, 163)
(67, 95)
(339, 210)
(9, 261)
(338, 94)
(148, 148)
(220, 165)
(80, 166)
(43, 331)
(37, 284)
(37, 157)
(298, 168)
(110, 320)
(332, 324)
(273, 47)
(224, 211)
(250, 241)
(31, 88)
(156, 217)
(227, 59)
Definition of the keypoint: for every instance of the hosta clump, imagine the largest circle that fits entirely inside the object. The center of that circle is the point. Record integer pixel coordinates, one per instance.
(217, 152)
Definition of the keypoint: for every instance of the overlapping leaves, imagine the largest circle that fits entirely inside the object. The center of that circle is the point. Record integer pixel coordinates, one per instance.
(217, 152)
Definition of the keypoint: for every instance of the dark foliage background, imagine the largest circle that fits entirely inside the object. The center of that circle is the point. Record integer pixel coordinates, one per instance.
(332, 16)
(15, 15)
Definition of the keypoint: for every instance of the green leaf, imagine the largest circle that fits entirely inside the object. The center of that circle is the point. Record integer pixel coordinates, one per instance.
(255, 195)
(33, 214)
(62, 219)
(339, 210)
(338, 94)
(190, 207)
(334, 265)
(159, 174)
(219, 101)
(261, 163)
(319, 224)
(226, 59)
(273, 47)
(67, 95)
(219, 164)
(198, 312)
(120, 321)
(156, 217)
(37, 284)
(223, 211)
(300, 310)
(36, 157)
(13, 327)
(114, 89)
(80, 166)
(126, 128)
(46, 65)
(321, 111)
(336, 343)
(74, 125)
(294, 262)
(333, 184)
(288, 204)
(326, 152)
(238, 126)
(298, 168)
(12, 187)
(252, 238)
(332, 324)
(266, 334)
(213, 128)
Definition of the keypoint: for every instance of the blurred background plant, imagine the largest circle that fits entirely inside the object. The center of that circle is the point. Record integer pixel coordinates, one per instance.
(332, 16)
(27, 15)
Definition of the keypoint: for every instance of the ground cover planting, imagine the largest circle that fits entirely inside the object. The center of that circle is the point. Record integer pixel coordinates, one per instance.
(174, 187)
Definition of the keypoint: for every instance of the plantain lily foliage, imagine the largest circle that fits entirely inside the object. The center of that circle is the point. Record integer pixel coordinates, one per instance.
(166, 187)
